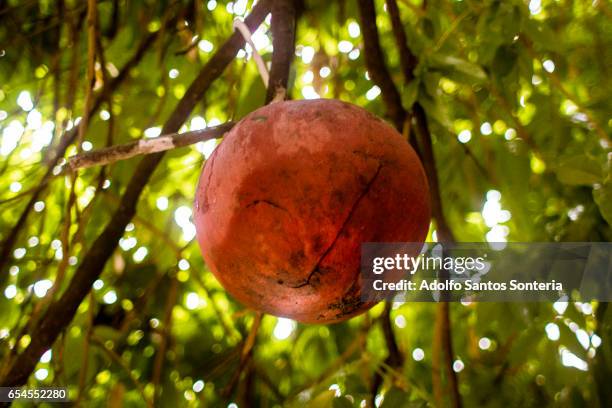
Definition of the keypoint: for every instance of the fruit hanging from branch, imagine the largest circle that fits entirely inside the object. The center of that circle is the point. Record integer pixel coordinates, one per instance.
(286, 200)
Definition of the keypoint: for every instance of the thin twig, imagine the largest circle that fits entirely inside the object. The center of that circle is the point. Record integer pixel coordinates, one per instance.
(86, 344)
(394, 358)
(162, 143)
(414, 8)
(92, 18)
(601, 367)
(230, 332)
(356, 345)
(520, 129)
(436, 363)
(57, 73)
(119, 361)
(265, 378)
(449, 31)
(160, 357)
(261, 65)
(245, 355)
(75, 63)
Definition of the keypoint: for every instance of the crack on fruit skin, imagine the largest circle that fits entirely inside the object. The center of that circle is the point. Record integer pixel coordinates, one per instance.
(316, 269)
(367, 155)
(205, 203)
(269, 202)
(347, 305)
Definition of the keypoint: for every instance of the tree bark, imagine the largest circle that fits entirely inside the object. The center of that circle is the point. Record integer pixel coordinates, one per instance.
(408, 60)
(375, 62)
(283, 41)
(400, 117)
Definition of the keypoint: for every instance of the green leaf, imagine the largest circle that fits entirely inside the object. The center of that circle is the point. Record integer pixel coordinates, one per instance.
(505, 60)
(436, 110)
(541, 34)
(603, 197)
(107, 333)
(428, 28)
(398, 398)
(312, 353)
(579, 171)
(252, 97)
(410, 93)
(451, 66)
(323, 400)
(341, 402)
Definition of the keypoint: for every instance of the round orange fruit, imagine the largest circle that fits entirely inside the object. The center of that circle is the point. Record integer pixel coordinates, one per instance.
(286, 200)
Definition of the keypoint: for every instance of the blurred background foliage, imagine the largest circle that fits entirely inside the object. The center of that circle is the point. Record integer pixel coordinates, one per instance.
(518, 97)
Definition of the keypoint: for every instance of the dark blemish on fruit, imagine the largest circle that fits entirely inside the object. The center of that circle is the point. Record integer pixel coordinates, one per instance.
(297, 258)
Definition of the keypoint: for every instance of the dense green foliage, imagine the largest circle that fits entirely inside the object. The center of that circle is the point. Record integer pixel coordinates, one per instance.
(518, 99)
